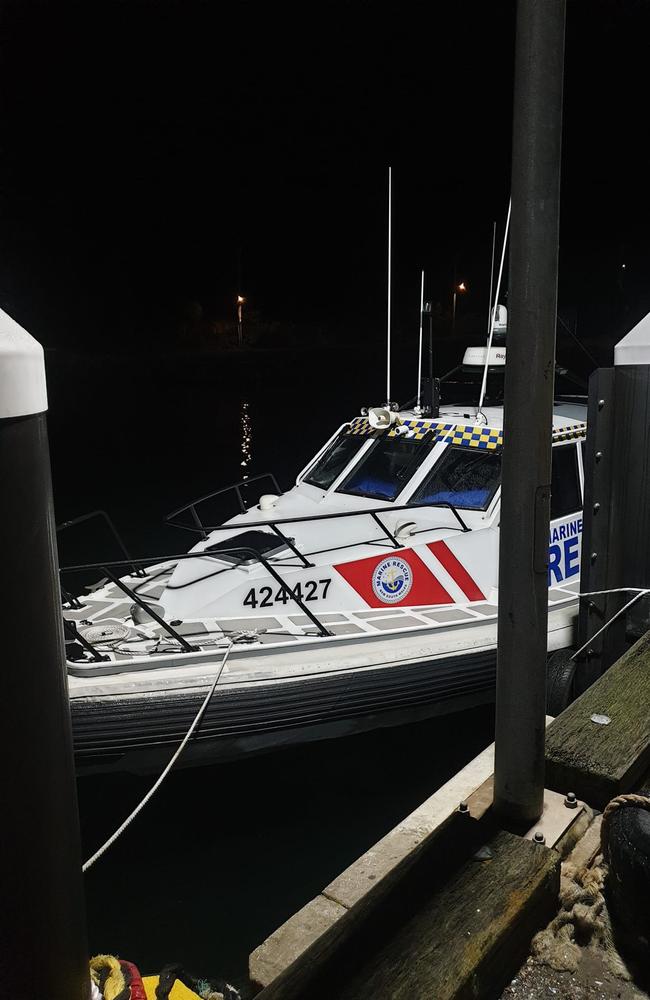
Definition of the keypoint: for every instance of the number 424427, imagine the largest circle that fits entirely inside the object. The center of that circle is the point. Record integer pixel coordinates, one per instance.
(264, 597)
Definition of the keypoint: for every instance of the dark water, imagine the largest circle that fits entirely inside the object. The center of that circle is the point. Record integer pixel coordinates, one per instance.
(222, 855)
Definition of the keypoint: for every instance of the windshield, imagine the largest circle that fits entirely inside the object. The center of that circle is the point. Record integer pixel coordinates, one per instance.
(464, 477)
(386, 468)
(334, 460)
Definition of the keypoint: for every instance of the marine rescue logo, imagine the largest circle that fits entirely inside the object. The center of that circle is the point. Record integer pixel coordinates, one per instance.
(391, 580)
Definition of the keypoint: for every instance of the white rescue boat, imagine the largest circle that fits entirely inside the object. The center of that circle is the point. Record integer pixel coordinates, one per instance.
(364, 596)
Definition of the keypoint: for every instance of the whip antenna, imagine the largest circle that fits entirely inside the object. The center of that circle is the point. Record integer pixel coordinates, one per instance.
(479, 412)
(417, 408)
(390, 234)
(494, 243)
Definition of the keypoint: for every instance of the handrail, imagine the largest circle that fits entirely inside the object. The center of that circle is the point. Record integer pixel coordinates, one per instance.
(224, 489)
(185, 646)
(372, 511)
(241, 549)
(101, 514)
(137, 564)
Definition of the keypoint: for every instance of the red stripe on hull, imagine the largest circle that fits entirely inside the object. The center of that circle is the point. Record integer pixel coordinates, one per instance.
(456, 570)
(424, 588)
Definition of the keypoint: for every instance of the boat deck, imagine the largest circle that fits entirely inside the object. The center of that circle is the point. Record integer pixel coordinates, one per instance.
(105, 620)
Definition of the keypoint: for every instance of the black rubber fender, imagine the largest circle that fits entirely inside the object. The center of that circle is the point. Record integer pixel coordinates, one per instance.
(628, 881)
(560, 670)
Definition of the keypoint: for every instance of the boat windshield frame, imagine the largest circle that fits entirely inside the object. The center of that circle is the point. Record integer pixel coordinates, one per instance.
(327, 453)
(385, 446)
(445, 457)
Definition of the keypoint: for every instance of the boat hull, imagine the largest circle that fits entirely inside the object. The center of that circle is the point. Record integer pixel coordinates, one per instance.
(139, 730)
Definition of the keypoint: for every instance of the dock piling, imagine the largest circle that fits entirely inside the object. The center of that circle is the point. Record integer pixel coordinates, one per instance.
(529, 384)
(42, 928)
(616, 535)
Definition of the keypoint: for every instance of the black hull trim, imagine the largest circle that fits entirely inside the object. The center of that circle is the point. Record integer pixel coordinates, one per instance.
(112, 732)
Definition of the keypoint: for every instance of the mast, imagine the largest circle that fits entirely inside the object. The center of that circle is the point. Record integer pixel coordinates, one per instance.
(390, 236)
(480, 417)
(419, 393)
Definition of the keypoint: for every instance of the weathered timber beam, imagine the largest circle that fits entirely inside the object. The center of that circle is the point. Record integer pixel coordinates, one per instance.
(469, 938)
(598, 761)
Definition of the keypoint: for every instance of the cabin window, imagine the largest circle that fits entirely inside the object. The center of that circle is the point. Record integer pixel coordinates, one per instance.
(386, 468)
(566, 497)
(334, 460)
(464, 477)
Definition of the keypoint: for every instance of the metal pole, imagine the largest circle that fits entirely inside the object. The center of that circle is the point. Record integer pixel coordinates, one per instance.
(42, 928)
(526, 493)
(419, 386)
(390, 252)
(434, 383)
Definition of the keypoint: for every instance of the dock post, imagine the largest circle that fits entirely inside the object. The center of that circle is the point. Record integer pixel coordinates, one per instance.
(42, 928)
(616, 535)
(529, 383)
(629, 537)
(597, 565)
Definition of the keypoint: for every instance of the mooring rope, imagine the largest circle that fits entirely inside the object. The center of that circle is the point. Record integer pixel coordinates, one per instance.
(638, 593)
(154, 788)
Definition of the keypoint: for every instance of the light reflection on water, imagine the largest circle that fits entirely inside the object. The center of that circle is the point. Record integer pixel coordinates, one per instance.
(246, 431)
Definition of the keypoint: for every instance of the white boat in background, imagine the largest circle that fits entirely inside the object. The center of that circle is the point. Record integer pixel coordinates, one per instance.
(364, 596)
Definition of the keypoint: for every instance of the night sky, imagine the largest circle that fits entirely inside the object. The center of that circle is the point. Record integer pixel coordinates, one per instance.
(154, 153)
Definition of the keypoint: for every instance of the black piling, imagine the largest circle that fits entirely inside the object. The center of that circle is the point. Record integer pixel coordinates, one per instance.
(525, 495)
(42, 928)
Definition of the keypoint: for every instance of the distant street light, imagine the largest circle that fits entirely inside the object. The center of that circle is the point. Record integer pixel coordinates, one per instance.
(240, 328)
(458, 290)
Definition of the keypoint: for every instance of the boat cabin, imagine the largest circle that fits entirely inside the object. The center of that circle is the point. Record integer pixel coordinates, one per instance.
(424, 493)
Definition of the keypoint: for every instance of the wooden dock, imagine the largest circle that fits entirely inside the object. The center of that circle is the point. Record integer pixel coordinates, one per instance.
(597, 759)
(464, 940)
(447, 903)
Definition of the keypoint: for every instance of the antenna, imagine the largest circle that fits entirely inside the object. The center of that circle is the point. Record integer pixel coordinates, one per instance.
(418, 408)
(479, 412)
(390, 225)
(494, 243)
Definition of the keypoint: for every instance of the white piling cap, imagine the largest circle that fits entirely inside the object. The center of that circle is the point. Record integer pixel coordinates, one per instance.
(634, 348)
(22, 371)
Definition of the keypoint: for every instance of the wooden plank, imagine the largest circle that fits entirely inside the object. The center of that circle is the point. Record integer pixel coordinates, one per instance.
(598, 762)
(470, 937)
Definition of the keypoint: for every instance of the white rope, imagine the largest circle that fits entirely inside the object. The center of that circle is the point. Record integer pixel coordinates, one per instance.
(614, 590)
(638, 593)
(154, 788)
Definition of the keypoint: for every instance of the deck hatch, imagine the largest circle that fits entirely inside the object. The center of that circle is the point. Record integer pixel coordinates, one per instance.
(263, 542)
